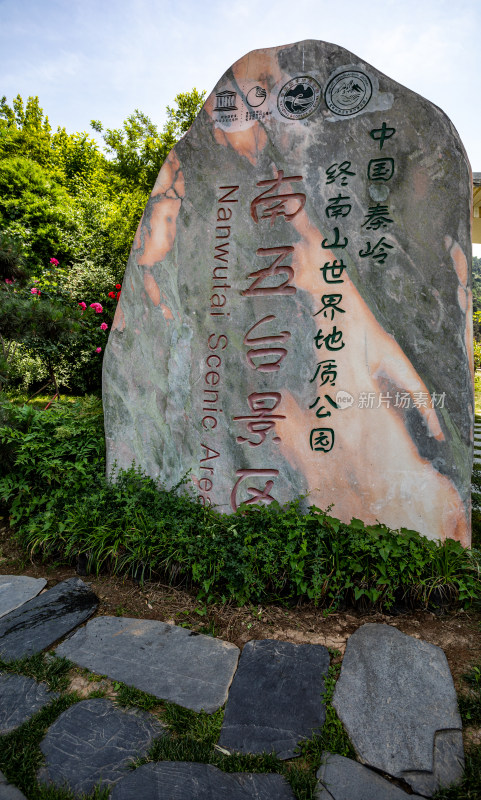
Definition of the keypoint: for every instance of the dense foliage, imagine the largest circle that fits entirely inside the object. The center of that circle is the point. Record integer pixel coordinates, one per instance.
(68, 214)
(476, 284)
(62, 506)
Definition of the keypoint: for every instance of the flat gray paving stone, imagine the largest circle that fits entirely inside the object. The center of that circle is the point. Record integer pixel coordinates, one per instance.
(39, 623)
(20, 699)
(343, 779)
(9, 792)
(93, 743)
(275, 698)
(168, 661)
(179, 780)
(18, 589)
(396, 699)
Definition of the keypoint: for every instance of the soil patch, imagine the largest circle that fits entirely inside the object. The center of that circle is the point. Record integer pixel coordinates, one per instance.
(458, 633)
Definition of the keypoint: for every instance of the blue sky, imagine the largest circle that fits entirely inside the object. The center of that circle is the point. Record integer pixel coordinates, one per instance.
(101, 59)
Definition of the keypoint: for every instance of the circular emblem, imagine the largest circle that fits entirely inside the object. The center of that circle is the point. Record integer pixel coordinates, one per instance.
(348, 93)
(299, 98)
(256, 96)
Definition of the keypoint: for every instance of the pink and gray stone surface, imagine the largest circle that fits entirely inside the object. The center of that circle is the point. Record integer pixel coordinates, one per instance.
(275, 700)
(396, 699)
(296, 311)
(168, 661)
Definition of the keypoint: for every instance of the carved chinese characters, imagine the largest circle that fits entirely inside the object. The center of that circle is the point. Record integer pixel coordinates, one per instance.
(295, 314)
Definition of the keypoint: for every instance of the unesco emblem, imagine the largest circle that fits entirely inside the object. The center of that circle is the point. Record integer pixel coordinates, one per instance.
(348, 93)
(299, 98)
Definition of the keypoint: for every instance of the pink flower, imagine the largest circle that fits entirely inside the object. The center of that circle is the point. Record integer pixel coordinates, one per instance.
(54, 262)
(83, 305)
(34, 290)
(8, 280)
(98, 350)
(97, 307)
(104, 326)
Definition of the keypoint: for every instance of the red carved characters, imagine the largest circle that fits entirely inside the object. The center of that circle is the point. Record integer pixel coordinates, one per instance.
(265, 353)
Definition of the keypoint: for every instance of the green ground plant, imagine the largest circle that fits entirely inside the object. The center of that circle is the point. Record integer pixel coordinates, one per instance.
(62, 507)
(64, 200)
(470, 708)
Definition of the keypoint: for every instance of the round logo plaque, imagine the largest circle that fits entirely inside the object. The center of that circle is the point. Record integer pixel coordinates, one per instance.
(299, 98)
(256, 96)
(348, 93)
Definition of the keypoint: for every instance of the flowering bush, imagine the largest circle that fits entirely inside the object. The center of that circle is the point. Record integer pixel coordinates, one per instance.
(47, 322)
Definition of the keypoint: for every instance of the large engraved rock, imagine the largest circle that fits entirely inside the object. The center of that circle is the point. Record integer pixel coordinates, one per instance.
(296, 311)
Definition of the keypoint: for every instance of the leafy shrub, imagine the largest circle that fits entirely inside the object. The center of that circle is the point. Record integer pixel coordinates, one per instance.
(61, 504)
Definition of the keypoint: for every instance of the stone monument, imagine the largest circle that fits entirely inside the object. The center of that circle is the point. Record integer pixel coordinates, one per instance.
(295, 315)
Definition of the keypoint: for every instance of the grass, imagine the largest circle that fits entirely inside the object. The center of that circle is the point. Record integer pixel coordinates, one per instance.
(50, 669)
(238, 558)
(63, 508)
(191, 736)
(477, 392)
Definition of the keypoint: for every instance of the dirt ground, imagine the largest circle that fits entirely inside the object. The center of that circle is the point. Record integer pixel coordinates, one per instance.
(457, 633)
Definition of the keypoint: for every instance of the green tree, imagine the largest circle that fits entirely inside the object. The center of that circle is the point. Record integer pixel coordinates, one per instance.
(139, 149)
(24, 130)
(37, 210)
(61, 197)
(477, 286)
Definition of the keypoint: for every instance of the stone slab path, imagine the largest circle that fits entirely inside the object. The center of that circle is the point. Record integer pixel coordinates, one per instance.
(93, 743)
(17, 589)
(168, 661)
(20, 699)
(185, 781)
(276, 698)
(395, 697)
(405, 707)
(37, 624)
(344, 779)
